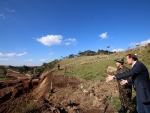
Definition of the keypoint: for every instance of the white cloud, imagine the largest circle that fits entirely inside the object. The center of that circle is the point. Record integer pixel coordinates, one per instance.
(2, 15)
(50, 40)
(70, 41)
(67, 43)
(29, 60)
(117, 50)
(103, 35)
(43, 60)
(51, 53)
(56, 40)
(141, 43)
(10, 10)
(21, 54)
(12, 54)
(7, 9)
(5, 59)
(1, 54)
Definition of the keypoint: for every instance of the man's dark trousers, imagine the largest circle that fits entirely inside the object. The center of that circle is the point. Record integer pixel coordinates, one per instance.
(141, 107)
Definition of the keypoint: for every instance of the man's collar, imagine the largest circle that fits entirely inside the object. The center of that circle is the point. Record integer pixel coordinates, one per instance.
(134, 63)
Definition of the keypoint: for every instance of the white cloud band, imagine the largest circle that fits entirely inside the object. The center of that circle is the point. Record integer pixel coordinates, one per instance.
(141, 43)
(13, 54)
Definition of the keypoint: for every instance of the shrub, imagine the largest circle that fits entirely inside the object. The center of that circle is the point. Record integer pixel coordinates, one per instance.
(28, 108)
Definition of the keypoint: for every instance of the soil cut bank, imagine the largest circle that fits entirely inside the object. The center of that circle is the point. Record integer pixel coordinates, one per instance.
(55, 94)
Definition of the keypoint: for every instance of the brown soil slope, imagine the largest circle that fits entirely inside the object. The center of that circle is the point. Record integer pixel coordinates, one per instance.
(55, 94)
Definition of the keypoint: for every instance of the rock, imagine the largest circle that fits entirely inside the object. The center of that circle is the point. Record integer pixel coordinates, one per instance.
(96, 102)
(26, 84)
(111, 70)
(35, 82)
(92, 94)
(85, 92)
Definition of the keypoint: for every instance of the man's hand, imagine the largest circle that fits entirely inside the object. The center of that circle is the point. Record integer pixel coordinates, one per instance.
(123, 82)
(109, 78)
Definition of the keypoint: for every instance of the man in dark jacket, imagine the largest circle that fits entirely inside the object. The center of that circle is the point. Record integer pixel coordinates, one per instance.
(140, 80)
(125, 91)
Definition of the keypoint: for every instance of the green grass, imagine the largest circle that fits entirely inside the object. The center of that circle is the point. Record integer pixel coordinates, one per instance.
(115, 101)
(1, 72)
(3, 79)
(94, 67)
(28, 108)
(88, 68)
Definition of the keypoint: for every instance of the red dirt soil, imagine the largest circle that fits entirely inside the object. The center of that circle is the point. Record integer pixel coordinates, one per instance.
(54, 94)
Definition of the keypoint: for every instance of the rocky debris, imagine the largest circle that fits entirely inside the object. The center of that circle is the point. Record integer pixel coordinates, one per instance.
(111, 70)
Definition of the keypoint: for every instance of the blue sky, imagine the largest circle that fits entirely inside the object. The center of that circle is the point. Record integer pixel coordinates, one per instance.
(33, 32)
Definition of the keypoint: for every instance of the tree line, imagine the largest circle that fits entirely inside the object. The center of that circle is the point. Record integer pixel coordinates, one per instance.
(88, 53)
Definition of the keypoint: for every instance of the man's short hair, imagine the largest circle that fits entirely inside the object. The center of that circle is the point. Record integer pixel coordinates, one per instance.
(133, 56)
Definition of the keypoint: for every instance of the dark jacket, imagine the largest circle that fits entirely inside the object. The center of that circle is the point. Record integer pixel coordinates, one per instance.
(140, 79)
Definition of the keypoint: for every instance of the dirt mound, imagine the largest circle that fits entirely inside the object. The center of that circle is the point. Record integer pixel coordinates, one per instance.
(54, 94)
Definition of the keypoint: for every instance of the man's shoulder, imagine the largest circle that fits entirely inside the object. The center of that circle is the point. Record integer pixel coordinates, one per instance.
(139, 63)
(126, 68)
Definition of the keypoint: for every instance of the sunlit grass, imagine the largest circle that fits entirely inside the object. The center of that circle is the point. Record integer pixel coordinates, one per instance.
(94, 67)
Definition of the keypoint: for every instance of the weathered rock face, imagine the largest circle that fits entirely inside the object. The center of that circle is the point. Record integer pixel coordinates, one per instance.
(111, 70)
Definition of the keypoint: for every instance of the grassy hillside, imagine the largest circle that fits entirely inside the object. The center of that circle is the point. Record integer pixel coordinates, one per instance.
(94, 67)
